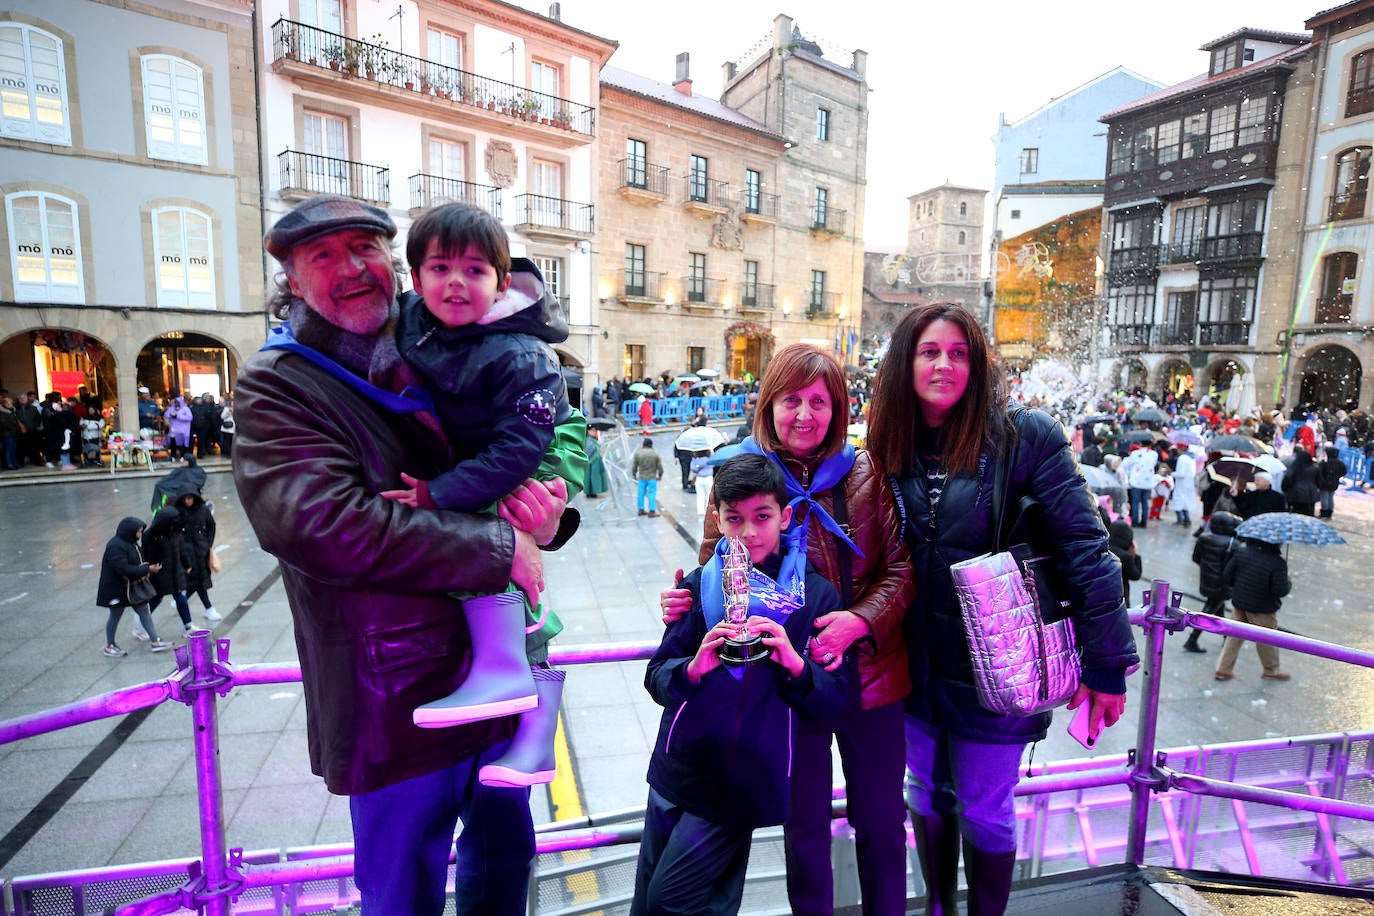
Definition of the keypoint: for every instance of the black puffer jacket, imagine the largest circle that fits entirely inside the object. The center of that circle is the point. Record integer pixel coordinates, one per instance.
(1257, 575)
(165, 543)
(961, 528)
(198, 538)
(1212, 550)
(1300, 480)
(121, 563)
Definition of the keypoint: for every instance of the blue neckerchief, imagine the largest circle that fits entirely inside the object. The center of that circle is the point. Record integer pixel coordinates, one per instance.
(775, 600)
(828, 475)
(410, 400)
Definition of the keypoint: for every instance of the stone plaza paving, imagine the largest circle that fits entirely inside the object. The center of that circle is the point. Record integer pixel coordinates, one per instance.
(113, 792)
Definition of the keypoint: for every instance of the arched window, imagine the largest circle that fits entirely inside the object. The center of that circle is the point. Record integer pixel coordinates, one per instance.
(963, 208)
(963, 236)
(33, 85)
(183, 258)
(1351, 185)
(45, 247)
(174, 109)
(1338, 287)
(1359, 95)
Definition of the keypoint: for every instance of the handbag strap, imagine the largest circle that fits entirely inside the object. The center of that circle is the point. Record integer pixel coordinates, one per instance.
(840, 512)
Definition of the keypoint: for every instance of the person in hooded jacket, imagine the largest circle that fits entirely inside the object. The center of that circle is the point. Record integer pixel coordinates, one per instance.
(178, 416)
(122, 563)
(1210, 552)
(198, 522)
(1329, 474)
(1257, 575)
(1300, 483)
(165, 543)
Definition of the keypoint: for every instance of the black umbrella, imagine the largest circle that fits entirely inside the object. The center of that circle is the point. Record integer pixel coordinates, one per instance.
(1149, 415)
(1142, 435)
(602, 423)
(1237, 443)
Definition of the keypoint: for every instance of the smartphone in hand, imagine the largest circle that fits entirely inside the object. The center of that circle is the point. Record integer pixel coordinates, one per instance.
(1078, 727)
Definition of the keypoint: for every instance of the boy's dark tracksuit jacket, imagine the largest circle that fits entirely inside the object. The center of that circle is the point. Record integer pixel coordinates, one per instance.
(724, 747)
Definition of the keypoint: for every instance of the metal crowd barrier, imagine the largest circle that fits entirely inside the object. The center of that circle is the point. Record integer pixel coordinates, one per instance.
(1290, 807)
(682, 410)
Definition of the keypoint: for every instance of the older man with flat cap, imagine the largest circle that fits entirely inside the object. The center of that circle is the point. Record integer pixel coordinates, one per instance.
(326, 420)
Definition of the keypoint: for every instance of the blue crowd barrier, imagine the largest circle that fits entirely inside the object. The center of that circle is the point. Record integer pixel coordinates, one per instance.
(1356, 466)
(681, 410)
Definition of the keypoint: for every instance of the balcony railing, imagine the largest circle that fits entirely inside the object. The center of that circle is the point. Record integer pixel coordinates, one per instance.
(1133, 335)
(1132, 259)
(1184, 252)
(1232, 247)
(828, 219)
(554, 213)
(310, 173)
(641, 284)
(711, 192)
(351, 58)
(1178, 334)
(762, 206)
(822, 305)
(639, 175)
(702, 290)
(1345, 206)
(431, 190)
(1224, 333)
(759, 297)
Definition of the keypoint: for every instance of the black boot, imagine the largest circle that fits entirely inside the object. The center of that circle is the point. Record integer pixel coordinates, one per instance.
(989, 880)
(1190, 644)
(937, 847)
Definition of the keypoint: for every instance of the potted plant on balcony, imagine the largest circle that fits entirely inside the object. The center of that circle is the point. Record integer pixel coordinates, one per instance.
(352, 55)
(333, 54)
(526, 106)
(406, 76)
(372, 55)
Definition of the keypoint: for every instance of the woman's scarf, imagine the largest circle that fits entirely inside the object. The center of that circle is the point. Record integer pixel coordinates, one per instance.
(831, 473)
(774, 599)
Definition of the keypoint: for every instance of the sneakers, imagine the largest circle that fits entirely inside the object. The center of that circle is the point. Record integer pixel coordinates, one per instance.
(114, 651)
(213, 615)
(140, 634)
(188, 629)
(159, 645)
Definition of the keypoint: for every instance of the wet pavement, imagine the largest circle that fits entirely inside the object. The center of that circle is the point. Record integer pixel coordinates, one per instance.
(110, 793)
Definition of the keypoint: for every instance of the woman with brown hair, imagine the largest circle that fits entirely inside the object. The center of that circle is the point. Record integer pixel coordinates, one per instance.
(939, 420)
(853, 538)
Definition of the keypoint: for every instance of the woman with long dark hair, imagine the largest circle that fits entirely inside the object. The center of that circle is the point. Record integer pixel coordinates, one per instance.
(939, 420)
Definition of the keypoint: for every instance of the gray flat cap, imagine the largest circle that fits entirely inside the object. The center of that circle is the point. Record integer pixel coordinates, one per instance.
(323, 214)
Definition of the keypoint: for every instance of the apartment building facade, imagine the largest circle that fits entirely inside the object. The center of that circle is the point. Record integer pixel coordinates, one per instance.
(1197, 224)
(131, 186)
(423, 103)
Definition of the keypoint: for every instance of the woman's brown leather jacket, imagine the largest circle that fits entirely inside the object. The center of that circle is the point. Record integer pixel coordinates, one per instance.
(882, 576)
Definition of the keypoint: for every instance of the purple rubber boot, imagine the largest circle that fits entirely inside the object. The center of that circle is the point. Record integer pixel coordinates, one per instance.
(530, 759)
(499, 682)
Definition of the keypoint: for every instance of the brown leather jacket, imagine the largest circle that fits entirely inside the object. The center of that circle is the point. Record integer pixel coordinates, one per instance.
(882, 576)
(368, 580)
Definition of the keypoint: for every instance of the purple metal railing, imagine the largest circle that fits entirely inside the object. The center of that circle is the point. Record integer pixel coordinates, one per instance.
(221, 874)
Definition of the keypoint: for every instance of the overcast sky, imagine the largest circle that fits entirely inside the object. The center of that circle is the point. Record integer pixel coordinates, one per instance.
(940, 73)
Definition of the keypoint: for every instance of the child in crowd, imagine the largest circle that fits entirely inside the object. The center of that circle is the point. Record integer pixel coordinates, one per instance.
(1164, 486)
(721, 763)
(479, 334)
(1210, 553)
(121, 564)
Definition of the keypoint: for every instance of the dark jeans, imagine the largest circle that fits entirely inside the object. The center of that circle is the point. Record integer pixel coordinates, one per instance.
(402, 835)
(873, 757)
(11, 458)
(1140, 505)
(688, 864)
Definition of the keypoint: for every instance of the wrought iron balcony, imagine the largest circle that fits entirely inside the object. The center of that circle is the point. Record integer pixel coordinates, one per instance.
(822, 305)
(706, 193)
(1232, 247)
(1133, 335)
(307, 174)
(702, 291)
(1178, 334)
(1349, 205)
(643, 179)
(759, 297)
(758, 208)
(1127, 260)
(431, 190)
(1183, 252)
(349, 58)
(1224, 333)
(553, 216)
(640, 286)
(829, 220)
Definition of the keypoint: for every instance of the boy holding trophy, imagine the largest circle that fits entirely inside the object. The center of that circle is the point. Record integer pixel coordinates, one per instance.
(731, 675)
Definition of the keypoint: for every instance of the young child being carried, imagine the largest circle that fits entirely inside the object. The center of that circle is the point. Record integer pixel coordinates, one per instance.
(479, 333)
(721, 763)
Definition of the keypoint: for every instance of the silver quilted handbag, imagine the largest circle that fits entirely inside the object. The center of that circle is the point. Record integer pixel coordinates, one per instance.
(1021, 665)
